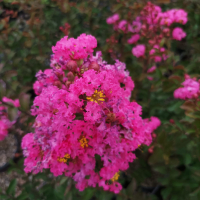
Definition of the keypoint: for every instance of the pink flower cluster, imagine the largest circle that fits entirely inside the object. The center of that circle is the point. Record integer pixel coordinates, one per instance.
(113, 19)
(74, 48)
(86, 127)
(44, 79)
(178, 34)
(139, 50)
(190, 89)
(153, 25)
(5, 123)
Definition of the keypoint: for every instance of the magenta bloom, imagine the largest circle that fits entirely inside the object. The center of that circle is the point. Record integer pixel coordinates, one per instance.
(74, 48)
(136, 25)
(14, 102)
(180, 16)
(112, 19)
(83, 113)
(139, 50)
(174, 16)
(5, 124)
(178, 34)
(189, 90)
(152, 69)
(134, 39)
(44, 79)
(123, 25)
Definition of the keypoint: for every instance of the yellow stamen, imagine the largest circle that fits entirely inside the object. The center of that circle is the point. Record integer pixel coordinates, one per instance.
(115, 177)
(83, 141)
(64, 159)
(97, 97)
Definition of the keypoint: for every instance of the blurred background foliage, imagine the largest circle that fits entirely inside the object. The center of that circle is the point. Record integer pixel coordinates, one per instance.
(171, 171)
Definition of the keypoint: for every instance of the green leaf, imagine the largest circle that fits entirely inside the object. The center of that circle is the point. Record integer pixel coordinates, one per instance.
(41, 176)
(2, 89)
(12, 187)
(63, 180)
(10, 74)
(3, 197)
(166, 192)
(12, 113)
(195, 192)
(22, 196)
(131, 187)
(88, 193)
(188, 159)
(24, 100)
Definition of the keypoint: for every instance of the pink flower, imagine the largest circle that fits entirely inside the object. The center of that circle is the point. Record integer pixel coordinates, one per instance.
(72, 48)
(178, 34)
(152, 69)
(5, 124)
(114, 18)
(136, 26)
(189, 91)
(134, 39)
(14, 102)
(150, 78)
(180, 16)
(139, 50)
(123, 25)
(158, 53)
(45, 78)
(37, 87)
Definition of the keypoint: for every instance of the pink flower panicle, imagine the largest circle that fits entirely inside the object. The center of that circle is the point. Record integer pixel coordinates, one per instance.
(154, 25)
(189, 90)
(5, 123)
(83, 110)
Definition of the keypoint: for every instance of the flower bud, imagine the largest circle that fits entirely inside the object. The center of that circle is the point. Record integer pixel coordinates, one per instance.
(67, 84)
(194, 78)
(150, 150)
(79, 62)
(58, 84)
(111, 117)
(154, 135)
(59, 75)
(72, 66)
(70, 76)
(195, 96)
(186, 76)
(171, 121)
(94, 65)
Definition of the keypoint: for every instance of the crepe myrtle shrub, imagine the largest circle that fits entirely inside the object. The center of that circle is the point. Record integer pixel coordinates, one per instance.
(151, 32)
(82, 114)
